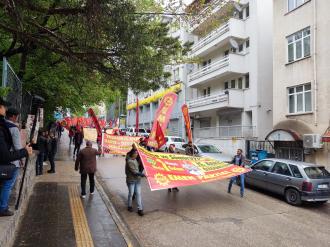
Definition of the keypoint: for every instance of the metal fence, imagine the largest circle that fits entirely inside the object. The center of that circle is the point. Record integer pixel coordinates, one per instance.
(17, 96)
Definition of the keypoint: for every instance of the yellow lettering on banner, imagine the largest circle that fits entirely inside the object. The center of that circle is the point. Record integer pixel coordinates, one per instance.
(168, 101)
(161, 118)
(180, 178)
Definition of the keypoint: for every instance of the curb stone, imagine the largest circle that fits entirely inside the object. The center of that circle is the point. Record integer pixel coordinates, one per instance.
(105, 194)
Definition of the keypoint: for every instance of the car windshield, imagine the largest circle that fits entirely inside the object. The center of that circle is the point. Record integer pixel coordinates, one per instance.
(208, 149)
(316, 172)
(177, 139)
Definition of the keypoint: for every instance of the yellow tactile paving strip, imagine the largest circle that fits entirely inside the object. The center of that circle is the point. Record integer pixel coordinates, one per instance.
(81, 229)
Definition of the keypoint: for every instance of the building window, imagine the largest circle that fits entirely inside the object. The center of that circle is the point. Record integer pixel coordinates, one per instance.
(205, 122)
(240, 83)
(247, 80)
(226, 85)
(300, 99)
(299, 45)
(206, 91)
(240, 48)
(232, 84)
(240, 15)
(247, 43)
(247, 11)
(293, 4)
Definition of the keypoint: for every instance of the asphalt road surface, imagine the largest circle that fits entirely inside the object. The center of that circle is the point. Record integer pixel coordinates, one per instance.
(205, 215)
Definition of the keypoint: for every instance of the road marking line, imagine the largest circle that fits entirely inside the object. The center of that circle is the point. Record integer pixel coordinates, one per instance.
(81, 228)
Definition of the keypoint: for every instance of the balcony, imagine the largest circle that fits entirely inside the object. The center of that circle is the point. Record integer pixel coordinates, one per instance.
(233, 63)
(231, 98)
(233, 28)
(239, 131)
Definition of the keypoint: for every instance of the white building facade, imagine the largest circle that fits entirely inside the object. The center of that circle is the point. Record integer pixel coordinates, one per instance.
(301, 80)
(229, 91)
(149, 101)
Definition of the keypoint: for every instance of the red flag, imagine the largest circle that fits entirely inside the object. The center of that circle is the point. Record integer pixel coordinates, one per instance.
(137, 116)
(163, 116)
(160, 138)
(186, 117)
(96, 123)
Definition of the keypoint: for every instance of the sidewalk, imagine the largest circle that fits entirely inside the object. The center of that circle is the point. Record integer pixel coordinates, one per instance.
(57, 216)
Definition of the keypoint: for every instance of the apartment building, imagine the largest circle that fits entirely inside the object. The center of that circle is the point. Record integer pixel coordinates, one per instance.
(230, 88)
(149, 101)
(301, 86)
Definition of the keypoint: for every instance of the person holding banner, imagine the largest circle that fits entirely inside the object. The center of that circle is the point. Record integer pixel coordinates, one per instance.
(239, 161)
(171, 149)
(133, 181)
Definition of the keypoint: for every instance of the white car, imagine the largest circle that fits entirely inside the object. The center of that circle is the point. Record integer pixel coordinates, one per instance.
(133, 131)
(176, 140)
(208, 150)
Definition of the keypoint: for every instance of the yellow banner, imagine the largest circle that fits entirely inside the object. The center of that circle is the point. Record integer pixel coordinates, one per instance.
(90, 134)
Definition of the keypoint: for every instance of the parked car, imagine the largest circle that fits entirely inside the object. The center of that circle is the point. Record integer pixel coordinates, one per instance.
(122, 131)
(297, 181)
(140, 132)
(176, 140)
(209, 150)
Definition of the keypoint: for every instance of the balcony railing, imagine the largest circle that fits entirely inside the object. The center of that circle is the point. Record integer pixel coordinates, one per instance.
(207, 100)
(210, 37)
(225, 131)
(208, 11)
(210, 68)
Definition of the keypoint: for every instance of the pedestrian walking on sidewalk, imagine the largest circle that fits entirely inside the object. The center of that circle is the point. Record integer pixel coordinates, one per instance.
(239, 161)
(52, 150)
(133, 181)
(71, 134)
(86, 163)
(7, 156)
(78, 139)
(42, 143)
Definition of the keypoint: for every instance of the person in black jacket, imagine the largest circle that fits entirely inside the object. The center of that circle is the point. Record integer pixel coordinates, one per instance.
(78, 139)
(7, 156)
(52, 150)
(42, 143)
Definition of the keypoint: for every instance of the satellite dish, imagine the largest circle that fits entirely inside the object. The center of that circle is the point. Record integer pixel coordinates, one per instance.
(233, 43)
(238, 7)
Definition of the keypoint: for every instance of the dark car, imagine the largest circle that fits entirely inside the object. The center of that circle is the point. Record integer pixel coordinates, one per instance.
(297, 181)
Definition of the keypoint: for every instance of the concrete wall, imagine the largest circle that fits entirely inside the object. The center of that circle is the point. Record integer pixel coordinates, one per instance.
(8, 225)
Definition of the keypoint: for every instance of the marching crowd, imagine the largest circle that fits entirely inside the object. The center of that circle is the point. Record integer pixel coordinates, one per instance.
(12, 153)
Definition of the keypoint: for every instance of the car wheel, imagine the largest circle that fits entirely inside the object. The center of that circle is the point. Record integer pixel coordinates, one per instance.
(292, 196)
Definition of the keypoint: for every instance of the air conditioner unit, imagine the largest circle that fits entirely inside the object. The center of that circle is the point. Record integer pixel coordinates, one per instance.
(312, 141)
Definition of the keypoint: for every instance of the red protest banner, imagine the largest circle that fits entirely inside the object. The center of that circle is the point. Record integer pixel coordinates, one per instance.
(160, 138)
(186, 117)
(165, 170)
(113, 144)
(95, 121)
(162, 116)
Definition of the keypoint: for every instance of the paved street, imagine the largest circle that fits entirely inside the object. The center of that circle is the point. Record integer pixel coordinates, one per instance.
(205, 215)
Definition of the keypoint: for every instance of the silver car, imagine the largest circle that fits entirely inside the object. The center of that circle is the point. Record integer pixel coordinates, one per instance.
(297, 181)
(208, 150)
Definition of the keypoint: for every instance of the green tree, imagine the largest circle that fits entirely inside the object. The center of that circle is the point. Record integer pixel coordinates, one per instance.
(78, 53)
